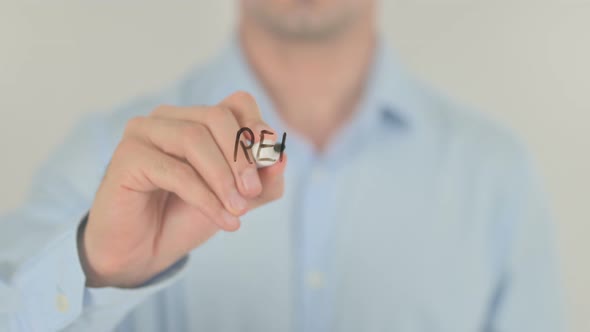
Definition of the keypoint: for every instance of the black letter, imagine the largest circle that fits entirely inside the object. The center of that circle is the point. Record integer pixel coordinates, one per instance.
(262, 145)
(283, 146)
(243, 145)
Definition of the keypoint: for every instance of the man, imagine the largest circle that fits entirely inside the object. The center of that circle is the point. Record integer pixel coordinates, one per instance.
(398, 210)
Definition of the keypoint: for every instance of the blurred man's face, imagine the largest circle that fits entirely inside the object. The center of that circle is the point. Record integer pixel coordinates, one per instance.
(306, 19)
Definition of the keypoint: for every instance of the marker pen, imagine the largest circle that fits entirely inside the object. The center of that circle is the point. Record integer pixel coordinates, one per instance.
(268, 154)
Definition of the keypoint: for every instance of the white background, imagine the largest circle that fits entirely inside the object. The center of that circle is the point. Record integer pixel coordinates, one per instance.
(525, 61)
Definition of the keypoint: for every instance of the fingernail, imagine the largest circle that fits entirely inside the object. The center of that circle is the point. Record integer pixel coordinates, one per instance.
(251, 181)
(230, 220)
(237, 202)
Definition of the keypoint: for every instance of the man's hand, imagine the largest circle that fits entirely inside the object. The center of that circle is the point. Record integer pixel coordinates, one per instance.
(172, 183)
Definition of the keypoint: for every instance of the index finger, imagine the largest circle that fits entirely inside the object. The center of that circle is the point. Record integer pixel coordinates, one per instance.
(247, 112)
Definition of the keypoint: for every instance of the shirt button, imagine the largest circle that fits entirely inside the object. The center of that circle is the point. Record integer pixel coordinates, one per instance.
(315, 280)
(61, 303)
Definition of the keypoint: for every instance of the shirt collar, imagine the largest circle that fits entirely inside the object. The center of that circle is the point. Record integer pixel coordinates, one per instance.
(391, 92)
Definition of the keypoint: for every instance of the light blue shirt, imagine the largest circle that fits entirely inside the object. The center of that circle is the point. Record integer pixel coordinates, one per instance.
(420, 216)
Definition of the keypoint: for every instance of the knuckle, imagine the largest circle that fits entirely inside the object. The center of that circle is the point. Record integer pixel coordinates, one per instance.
(124, 157)
(160, 110)
(161, 166)
(244, 97)
(134, 124)
(194, 133)
(184, 172)
(219, 114)
(178, 173)
(126, 148)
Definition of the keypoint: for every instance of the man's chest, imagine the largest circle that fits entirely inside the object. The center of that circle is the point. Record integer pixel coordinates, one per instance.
(398, 248)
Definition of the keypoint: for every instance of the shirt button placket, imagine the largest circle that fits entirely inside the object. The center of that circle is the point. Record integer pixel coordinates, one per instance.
(316, 241)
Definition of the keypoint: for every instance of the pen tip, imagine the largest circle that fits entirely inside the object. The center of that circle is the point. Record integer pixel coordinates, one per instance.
(279, 147)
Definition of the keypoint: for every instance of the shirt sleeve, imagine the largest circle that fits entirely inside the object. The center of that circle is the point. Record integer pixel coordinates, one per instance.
(529, 295)
(42, 284)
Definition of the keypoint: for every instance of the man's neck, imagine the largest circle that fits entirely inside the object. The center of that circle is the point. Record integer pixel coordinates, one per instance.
(315, 85)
